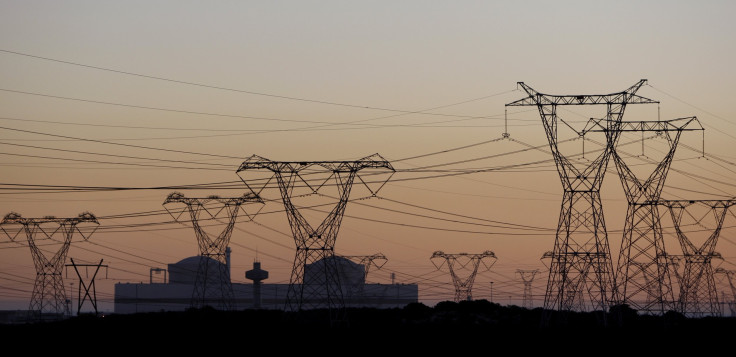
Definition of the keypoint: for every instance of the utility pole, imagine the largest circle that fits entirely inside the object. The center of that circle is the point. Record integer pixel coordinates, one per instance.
(212, 285)
(461, 261)
(581, 259)
(48, 300)
(315, 241)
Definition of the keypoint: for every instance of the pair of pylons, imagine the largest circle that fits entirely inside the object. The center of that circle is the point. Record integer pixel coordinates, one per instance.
(315, 242)
(49, 300)
(581, 272)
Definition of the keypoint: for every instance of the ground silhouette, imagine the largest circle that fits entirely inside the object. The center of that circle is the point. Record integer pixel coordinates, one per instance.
(416, 328)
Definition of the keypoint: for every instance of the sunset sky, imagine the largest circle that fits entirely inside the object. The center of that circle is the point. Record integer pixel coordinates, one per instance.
(122, 102)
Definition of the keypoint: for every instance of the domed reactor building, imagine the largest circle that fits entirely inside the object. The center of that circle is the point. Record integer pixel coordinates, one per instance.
(176, 293)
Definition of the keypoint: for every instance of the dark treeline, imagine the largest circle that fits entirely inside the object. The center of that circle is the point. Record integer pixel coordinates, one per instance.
(413, 328)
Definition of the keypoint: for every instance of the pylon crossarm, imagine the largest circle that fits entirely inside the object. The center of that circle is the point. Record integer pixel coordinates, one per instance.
(671, 125)
(626, 96)
(719, 209)
(527, 275)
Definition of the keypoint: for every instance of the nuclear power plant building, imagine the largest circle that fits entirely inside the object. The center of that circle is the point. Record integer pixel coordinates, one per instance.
(179, 281)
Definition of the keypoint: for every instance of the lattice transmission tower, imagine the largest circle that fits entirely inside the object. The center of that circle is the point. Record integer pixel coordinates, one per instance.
(698, 293)
(378, 260)
(463, 262)
(731, 302)
(315, 240)
(48, 300)
(642, 277)
(212, 284)
(527, 276)
(355, 289)
(581, 262)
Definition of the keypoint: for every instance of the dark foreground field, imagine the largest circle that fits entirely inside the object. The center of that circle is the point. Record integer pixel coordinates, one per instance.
(448, 327)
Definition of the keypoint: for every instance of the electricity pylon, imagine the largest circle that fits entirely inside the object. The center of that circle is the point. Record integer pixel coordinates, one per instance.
(674, 266)
(698, 293)
(378, 260)
(527, 276)
(48, 299)
(642, 278)
(87, 287)
(729, 275)
(365, 261)
(315, 243)
(212, 285)
(461, 261)
(581, 258)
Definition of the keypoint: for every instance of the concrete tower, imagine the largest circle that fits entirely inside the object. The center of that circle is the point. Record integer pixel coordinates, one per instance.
(256, 274)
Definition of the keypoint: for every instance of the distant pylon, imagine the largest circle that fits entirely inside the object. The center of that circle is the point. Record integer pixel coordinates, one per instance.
(48, 299)
(315, 244)
(698, 293)
(731, 301)
(527, 276)
(642, 278)
(581, 259)
(212, 289)
(366, 261)
(460, 261)
(378, 260)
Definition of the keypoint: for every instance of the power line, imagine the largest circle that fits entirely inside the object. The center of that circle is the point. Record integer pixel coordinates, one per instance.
(243, 91)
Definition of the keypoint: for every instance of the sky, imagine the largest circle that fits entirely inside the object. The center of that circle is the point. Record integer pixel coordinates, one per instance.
(138, 99)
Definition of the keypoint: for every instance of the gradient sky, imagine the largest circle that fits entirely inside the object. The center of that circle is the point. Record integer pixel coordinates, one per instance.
(111, 94)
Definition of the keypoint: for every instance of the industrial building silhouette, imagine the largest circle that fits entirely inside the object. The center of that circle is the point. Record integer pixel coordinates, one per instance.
(176, 293)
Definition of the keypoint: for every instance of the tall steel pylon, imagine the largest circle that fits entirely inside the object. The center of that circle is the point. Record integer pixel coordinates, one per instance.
(642, 278)
(698, 293)
(316, 245)
(527, 276)
(581, 259)
(211, 288)
(729, 276)
(48, 300)
(459, 261)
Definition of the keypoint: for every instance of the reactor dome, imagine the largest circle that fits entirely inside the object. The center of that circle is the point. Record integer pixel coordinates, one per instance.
(185, 270)
(351, 274)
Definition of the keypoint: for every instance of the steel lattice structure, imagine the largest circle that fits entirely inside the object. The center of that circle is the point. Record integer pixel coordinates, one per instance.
(378, 260)
(48, 299)
(729, 276)
(315, 246)
(365, 261)
(698, 293)
(527, 276)
(581, 260)
(642, 279)
(212, 289)
(87, 287)
(459, 261)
